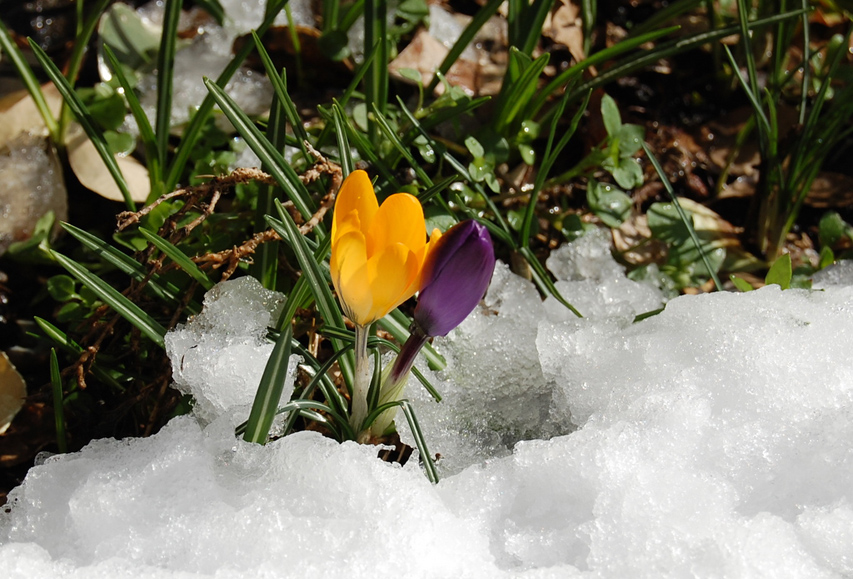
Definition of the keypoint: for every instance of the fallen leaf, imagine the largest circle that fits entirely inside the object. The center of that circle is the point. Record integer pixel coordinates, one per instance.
(13, 391)
(18, 113)
(93, 173)
(564, 26)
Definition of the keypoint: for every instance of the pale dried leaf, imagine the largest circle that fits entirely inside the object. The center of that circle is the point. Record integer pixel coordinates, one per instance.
(13, 391)
(564, 26)
(18, 113)
(93, 173)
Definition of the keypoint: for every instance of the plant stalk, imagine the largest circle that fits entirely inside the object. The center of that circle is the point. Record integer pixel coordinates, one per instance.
(361, 379)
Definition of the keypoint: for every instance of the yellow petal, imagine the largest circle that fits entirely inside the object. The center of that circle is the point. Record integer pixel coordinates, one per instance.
(400, 219)
(392, 272)
(356, 194)
(348, 266)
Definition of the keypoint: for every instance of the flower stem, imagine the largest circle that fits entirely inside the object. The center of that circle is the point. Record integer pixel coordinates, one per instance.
(361, 380)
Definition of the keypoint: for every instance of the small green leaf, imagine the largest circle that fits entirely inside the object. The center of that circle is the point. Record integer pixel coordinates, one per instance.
(627, 172)
(528, 153)
(780, 272)
(827, 257)
(631, 139)
(831, 229)
(610, 115)
(61, 288)
(412, 74)
(741, 284)
(609, 203)
(474, 146)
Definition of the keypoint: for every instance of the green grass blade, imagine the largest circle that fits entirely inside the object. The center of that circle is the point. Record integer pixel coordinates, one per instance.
(367, 151)
(543, 281)
(123, 306)
(165, 76)
(214, 8)
(179, 257)
(192, 133)
(269, 390)
(599, 57)
(12, 52)
(764, 124)
(550, 157)
(58, 403)
(420, 441)
(376, 37)
(281, 171)
(517, 94)
(279, 83)
(161, 290)
(315, 279)
(686, 220)
(146, 133)
(534, 18)
(664, 15)
(81, 44)
(343, 143)
(86, 120)
(641, 59)
(468, 34)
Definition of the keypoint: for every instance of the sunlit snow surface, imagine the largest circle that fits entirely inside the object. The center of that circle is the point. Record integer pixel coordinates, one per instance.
(712, 440)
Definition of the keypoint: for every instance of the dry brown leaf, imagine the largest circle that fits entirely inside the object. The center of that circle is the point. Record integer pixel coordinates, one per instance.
(93, 173)
(564, 26)
(13, 391)
(830, 189)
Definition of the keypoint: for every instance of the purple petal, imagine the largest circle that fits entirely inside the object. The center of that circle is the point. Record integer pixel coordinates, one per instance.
(459, 271)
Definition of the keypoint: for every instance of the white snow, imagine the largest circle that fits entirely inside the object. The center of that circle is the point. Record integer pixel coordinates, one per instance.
(712, 440)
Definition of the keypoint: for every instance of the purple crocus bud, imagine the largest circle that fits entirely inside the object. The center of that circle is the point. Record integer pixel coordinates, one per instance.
(455, 276)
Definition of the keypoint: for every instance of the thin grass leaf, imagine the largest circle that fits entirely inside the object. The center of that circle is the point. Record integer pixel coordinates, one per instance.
(543, 281)
(146, 133)
(391, 135)
(366, 149)
(179, 257)
(58, 403)
(165, 291)
(347, 94)
(165, 76)
(123, 306)
(343, 143)
(480, 18)
(641, 59)
(550, 157)
(376, 37)
(264, 266)
(81, 43)
(746, 42)
(25, 72)
(279, 83)
(335, 399)
(214, 8)
(269, 390)
(281, 171)
(516, 93)
(68, 345)
(534, 17)
(684, 218)
(599, 57)
(764, 124)
(420, 441)
(86, 120)
(305, 406)
(317, 283)
(192, 133)
(375, 382)
(663, 15)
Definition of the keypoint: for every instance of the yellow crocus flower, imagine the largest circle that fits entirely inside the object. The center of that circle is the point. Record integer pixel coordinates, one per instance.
(377, 252)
